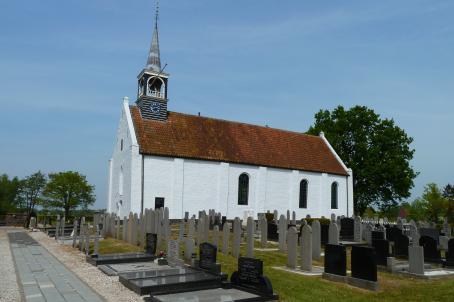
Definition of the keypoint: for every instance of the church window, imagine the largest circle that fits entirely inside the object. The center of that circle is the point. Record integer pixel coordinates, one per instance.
(120, 184)
(121, 145)
(303, 194)
(334, 195)
(243, 189)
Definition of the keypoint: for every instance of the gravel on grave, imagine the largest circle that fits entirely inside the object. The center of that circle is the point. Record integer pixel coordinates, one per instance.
(106, 286)
(9, 290)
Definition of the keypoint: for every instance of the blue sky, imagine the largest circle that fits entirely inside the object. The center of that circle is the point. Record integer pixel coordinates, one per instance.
(66, 65)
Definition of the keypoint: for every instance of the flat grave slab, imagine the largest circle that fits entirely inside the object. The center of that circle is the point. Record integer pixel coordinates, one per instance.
(170, 281)
(431, 273)
(316, 270)
(116, 269)
(208, 295)
(119, 258)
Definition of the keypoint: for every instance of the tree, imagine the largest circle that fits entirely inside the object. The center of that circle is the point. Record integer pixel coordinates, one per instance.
(377, 151)
(9, 189)
(448, 193)
(68, 190)
(30, 191)
(433, 202)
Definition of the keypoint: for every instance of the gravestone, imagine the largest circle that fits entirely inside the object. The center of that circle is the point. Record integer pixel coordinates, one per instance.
(431, 252)
(151, 242)
(191, 228)
(207, 256)
(293, 218)
(316, 240)
(263, 232)
(96, 243)
(324, 233)
(430, 232)
(347, 229)
(363, 263)
(335, 260)
(447, 228)
(250, 276)
(225, 238)
(292, 246)
(282, 232)
(173, 253)
(288, 216)
(401, 245)
(357, 229)
(377, 235)
(306, 248)
(181, 231)
(272, 231)
(189, 248)
(450, 254)
(333, 234)
(416, 260)
(381, 247)
(124, 234)
(393, 233)
(414, 234)
(236, 237)
(215, 237)
(250, 237)
(75, 233)
(117, 228)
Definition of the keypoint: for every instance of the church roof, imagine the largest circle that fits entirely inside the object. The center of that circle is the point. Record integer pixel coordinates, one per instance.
(196, 137)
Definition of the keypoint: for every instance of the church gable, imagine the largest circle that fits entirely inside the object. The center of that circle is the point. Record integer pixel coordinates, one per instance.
(189, 136)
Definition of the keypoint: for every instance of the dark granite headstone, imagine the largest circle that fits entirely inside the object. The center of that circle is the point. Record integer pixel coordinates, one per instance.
(431, 252)
(335, 260)
(347, 229)
(378, 235)
(269, 217)
(430, 232)
(151, 241)
(392, 233)
(381, 247)
(224, 220)
(401, 244)
(207, 254)
(364, 263)
(450, 253)
(324, 233)
(250, 275)
(272, 232)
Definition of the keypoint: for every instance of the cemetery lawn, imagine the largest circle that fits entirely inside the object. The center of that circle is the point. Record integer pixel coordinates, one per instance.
(295, 287)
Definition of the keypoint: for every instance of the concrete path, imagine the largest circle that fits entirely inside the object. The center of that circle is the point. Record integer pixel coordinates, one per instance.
(42, 277)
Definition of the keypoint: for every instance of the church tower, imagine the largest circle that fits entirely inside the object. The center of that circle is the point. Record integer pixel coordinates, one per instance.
(152, 82)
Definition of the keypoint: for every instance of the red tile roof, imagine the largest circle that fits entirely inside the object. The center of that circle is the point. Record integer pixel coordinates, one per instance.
(196, 137)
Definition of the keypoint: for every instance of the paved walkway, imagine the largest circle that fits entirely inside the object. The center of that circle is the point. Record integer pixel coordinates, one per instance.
(42, 276)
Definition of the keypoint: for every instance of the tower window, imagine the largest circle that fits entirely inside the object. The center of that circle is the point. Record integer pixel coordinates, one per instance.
(243, 189)
(120, 182)
(334, 195)
(121, 145)
(303, 194)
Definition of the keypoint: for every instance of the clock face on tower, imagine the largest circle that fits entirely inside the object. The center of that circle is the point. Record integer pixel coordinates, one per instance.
(155, 107)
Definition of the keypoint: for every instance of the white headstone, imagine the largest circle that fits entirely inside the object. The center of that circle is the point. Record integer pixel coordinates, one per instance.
(250, 237)
(306, 248)
(225, 238)
(282, 230)
(236, 237)
(333, 233)
(316, 240)
(416, 259)
(263, 232)
(292, 246)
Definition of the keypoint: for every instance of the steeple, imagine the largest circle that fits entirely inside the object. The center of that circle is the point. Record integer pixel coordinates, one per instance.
(154, 59)
(152, 81)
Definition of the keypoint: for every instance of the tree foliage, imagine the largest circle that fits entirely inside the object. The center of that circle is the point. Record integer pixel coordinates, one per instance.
(68, 191)
(377, 151)
(9, 189)
(30, 192)
(431, 206)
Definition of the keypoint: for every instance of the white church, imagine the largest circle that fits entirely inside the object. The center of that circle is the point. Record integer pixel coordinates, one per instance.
(191, 163)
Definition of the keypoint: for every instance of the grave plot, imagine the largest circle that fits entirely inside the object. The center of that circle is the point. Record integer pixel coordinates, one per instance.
(119, 258)
(247, 284)
(204, 274)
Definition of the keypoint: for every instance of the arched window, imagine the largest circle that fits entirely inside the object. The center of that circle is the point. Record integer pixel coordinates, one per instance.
(243, 189)
(303, 194)
(334, 195)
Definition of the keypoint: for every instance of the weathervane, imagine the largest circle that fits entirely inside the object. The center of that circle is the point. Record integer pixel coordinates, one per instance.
(157, 13)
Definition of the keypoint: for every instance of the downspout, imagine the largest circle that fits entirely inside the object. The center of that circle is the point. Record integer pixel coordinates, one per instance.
(142, 183)
(346, 184)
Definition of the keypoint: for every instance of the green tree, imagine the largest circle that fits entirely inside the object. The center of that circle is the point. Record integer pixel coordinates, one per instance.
(68, 191)
(30, 192)
(418, 209)
(448, 193)
(436, 204)
(377, 151)
(9, 189)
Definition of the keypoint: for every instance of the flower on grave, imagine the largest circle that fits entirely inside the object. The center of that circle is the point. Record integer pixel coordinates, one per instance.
(161, 254)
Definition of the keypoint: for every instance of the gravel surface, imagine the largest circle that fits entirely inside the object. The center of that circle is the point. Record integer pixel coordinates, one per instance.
(9, 290)
(107, 286)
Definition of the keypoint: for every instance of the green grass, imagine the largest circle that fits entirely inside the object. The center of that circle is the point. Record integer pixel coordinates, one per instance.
(294, 287)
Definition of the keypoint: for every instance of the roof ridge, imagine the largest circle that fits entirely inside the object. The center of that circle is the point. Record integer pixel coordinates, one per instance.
(244, 123)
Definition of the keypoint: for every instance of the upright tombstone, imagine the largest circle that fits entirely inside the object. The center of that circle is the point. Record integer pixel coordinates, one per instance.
(288, 216)
(414, 234)
(416, 260)
(401, 245)
(207, 256)
(124, 235)
(87, 242)
(431, 252)
(282, 232)
(75, 233)
(347, 229)
(135, 229)
(357, 229)
(335, 262)
(236, 237)
(250, 237)
(117, 228)
(306, 249)
(151, 243)
(381, 247)
(181, 231)
(293, 218)
(450, 254)
(316, 240)
(447, 228)
(250, 276)
(142, 225)
(292, 247)
(333, 234)
(364, 268)
(275, 216)
(225, 238)
(96, 240)
(215, 237)
(57, 228)
(189, 248)
(191, 228)
(272, 231)
(173, 253)
(263, 231)
(166, 224)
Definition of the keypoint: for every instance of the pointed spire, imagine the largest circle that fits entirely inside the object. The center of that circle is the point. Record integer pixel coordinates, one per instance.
(154, 59)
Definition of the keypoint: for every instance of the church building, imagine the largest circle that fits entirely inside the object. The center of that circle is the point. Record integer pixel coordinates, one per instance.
(190, 163)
